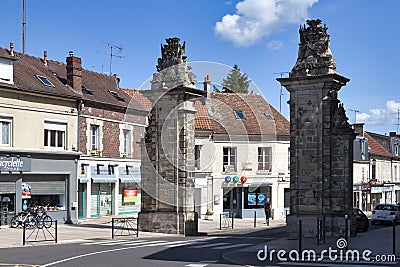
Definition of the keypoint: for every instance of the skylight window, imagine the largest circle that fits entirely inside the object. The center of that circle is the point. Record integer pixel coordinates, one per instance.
(44, 81)
(116, 96)
(269, 116)
(86, 91)
(239, 114)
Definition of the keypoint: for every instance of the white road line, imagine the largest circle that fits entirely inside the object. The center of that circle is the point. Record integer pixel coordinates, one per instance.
(156, 242)
(102, 242)
(209, 245)
(232, 246)
(182, 243)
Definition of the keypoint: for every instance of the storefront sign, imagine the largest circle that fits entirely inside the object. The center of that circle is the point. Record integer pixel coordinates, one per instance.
(376, 189)
(235, 179)
(227, 179)
(252, 199)
(26, 190)
(387, 188)
(15, 164)
(260, 199)
(130, 194)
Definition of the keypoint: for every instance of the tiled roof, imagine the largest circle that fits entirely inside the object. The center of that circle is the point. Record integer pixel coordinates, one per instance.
(201, 119)
(255, 109)
(25, 69)
(97, 84)
(376, 148)
(139, 97)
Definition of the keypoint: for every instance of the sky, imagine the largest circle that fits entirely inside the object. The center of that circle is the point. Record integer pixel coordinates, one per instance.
(260, 36)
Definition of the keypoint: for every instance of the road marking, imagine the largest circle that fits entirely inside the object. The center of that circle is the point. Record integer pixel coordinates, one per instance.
(155, 242)
(102, 242)
(209, 245)
(196, 265)
(181, 243)
(232, 246)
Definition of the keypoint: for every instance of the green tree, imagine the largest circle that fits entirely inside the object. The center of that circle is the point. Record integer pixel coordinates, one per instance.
(236, 81)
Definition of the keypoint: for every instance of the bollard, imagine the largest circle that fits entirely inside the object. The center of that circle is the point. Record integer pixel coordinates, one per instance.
(56, 235)
(220, 221)
(232, 220)
(112, 228)
(346, 229)
(318, 231)
(255, 218)
(394, 236)
(300, 234)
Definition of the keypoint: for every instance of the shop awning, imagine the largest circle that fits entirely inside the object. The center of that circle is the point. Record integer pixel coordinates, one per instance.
(261, 183)
(84, 180)
(104, 180)
(129, 180)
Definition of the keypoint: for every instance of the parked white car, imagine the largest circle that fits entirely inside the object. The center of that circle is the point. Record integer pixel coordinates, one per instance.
(386, 213)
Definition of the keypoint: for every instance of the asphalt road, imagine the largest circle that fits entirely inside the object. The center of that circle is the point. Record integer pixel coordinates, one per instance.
(132, 251)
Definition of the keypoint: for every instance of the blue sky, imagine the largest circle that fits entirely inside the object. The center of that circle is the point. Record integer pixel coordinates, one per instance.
(261, 36)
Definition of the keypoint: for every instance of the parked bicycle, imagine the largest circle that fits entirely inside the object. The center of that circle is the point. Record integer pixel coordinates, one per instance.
(42, 219)
(24, 218)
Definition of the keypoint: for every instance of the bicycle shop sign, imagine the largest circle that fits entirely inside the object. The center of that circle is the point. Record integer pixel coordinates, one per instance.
(15, 164)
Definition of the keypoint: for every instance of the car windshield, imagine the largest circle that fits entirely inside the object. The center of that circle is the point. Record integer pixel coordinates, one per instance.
(386, 207)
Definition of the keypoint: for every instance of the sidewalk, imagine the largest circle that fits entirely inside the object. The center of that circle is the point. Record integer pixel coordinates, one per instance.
(100, 228)
(379, 242)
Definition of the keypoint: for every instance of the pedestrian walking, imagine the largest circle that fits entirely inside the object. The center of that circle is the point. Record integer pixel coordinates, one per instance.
(267, 210)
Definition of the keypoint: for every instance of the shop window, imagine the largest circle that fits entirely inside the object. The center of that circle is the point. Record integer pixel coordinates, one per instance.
(264, 159)
(254, 198)
(126, 143)
(54, 135)
(5, 128)
(229, 159)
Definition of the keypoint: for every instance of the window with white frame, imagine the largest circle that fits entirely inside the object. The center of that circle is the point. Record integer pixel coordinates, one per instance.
(264, 159)
(5, 127)
(94, 137)
(55, 134)
(229, 159)
(127, 142)
(395, 173)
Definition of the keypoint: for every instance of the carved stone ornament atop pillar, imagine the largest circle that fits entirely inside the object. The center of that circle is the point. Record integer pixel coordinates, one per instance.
(314, 57)
(172, 70)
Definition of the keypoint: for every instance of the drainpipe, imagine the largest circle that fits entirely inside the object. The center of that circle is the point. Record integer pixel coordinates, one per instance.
(79, 109)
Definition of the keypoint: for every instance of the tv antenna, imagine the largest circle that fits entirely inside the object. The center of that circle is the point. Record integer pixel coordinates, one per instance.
(23, 26)
(111, 54)
(355, 114)
(280, 93)
(398, 120)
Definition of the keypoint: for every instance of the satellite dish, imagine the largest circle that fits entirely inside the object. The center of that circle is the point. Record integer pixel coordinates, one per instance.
(6, 199)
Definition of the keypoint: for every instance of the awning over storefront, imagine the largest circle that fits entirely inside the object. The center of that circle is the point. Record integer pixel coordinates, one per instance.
(105, 180)
(261, 183)
(127, 179)
(84, 180)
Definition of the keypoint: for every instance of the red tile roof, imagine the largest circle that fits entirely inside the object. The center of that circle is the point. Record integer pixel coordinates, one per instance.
(139, 97)
(201, 119)
(376, 148)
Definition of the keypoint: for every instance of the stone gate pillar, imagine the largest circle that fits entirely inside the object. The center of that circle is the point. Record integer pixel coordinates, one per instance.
(321, 140)
(168, 147)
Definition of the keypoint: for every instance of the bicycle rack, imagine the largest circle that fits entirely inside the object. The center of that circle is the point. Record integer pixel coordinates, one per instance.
(41, 232)
(124, 227)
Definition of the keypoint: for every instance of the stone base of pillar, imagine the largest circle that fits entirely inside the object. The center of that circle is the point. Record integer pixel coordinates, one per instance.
(167, 222)
(335, 225)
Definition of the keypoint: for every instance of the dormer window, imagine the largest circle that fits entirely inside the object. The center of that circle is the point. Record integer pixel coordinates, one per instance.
(44, 81)
(239, 114)
(116, 96)
(6, 71)
(86, 91)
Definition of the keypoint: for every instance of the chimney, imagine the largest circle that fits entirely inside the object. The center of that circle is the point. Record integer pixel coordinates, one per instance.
(359, 128)
(392, 134)
(74, 72)
(117, 79)
(45, 58)
(12, 49)
(207, 84)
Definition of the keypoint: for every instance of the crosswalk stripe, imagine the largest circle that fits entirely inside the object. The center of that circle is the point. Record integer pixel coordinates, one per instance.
(102, 242)
(182, 243)
(209, 245)
(156, 242)
(232, 246)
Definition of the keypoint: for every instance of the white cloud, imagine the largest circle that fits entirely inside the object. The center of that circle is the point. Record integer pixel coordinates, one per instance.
(379, 116)
(255, 19)
(275, 45)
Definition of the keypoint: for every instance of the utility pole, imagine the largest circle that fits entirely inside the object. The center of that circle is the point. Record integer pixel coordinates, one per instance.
(280, 93)
(355, 114)
(23, 26)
